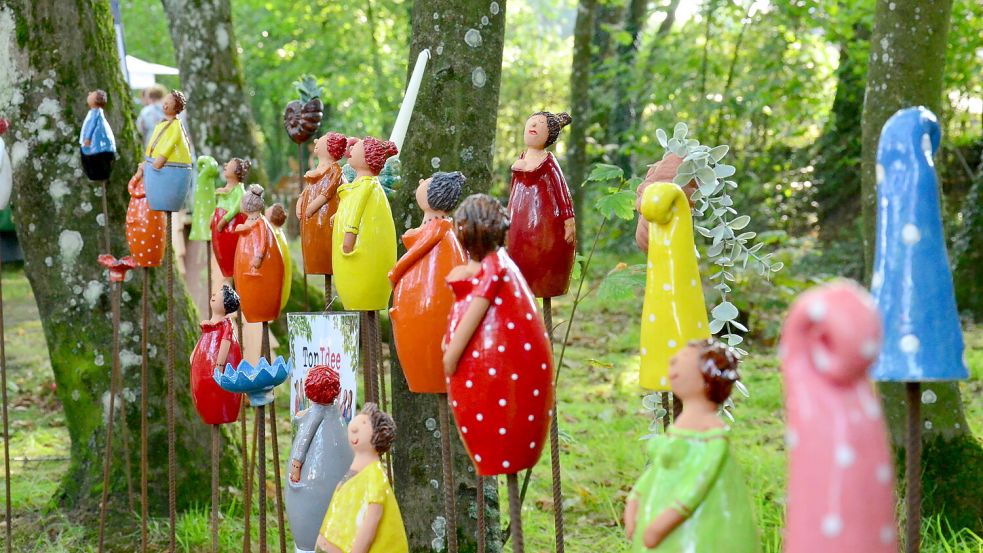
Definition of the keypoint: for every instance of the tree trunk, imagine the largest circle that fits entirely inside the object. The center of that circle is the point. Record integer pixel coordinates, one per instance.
(622, 111)
(967, 251)
(580, 105)
(453, 129)
(58, 51)
(219, 118)
(906, 67)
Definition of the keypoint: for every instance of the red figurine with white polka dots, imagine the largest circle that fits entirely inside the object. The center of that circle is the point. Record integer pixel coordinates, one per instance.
(497, 354)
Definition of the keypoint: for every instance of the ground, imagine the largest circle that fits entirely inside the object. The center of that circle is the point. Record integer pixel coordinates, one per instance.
(602, 422)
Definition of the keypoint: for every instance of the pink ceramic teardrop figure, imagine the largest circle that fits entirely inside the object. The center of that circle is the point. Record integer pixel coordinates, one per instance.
(841, 479)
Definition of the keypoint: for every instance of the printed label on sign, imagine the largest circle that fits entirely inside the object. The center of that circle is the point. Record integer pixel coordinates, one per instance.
(324, 339)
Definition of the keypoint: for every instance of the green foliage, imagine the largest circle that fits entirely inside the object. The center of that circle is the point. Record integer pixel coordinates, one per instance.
(308, 88)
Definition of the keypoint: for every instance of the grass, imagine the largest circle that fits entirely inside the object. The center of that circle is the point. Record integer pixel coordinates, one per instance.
(601, 423)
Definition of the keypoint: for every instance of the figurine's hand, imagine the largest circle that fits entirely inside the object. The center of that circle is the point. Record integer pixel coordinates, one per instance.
(295, 471)
(87, 143)
(570, 230)
(139, 173)
(220, 225)
(159, 162)
(450, 363)
(348, 246)
(322, 543)
(663, 524)
(257, 262)
(631, 514)
(331, 221)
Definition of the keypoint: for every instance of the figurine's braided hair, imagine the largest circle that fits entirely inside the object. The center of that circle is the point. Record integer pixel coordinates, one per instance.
(322, 385)
(242, 168)
(377, 152)
(482, 224)
(101, 98)
(252, 200)
(554, 122)
(180, 100)
(445, 190)
(337, 145)
(278, 215)
(383, 427)
(718, 365)
(230, 299)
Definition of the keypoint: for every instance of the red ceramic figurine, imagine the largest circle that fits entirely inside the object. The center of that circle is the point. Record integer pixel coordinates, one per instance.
(319, 202)
(497, 355)
(259, 267)
(421, 302)
(216, 347)
(228, 215)
(145, 228)
(543, 234)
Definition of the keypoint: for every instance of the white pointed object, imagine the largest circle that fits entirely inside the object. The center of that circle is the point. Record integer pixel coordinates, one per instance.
(409, 100)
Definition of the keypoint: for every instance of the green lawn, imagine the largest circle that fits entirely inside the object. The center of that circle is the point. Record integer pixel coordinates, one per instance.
(601, 421)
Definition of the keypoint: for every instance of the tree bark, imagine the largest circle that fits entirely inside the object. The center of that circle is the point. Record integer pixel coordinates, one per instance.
(967, 251)
(906, 68)
(622, 111)
(453, 129)
(580, 105)
(57, 51)
(219, 117)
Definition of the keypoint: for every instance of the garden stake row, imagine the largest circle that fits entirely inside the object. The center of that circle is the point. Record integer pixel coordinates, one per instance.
(6, 432)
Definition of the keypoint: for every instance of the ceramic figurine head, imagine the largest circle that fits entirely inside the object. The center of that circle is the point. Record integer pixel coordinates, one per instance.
(252, 200)
(174, 103)
(331, 147)
(224, 301)
(441, 192)
(276, 215)
(322, 385)
(543, 128)
(97, 99)
(704, 368)
(236, 169)
(369, 155)
(482, 224)
(372, 431)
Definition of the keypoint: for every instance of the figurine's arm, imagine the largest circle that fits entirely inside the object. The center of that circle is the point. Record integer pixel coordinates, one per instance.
(423, 246)
(567, 212)
(463, 333)
(365, 534)
(223, 353)
(320, 200)
(306, 428)
(167, 144)
(265, 242)
(89, 128)
(353, 225)
(133, 187)
(631, 513)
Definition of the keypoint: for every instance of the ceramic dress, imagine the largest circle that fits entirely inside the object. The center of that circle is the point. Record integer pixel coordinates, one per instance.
(98, 156)
(204, 204)
(168, 186)
(370, 485)
(145, 228)
(224, 242)
(694, 473)
(361, 276)
(539, 205)
(422, 302)
(912, 281)
(259, 289)
(315, 231)
(673, 312)
(502, 391)
(214, 405)
(321, 445)
(288, 264)
(841, 470)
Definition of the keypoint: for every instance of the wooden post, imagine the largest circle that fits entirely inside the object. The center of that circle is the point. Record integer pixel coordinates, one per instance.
(913, 469)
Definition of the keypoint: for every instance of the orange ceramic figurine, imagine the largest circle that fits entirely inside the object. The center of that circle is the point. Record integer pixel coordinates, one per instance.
(319, 202)
(258, 263)
(145, 228)
(421, 302)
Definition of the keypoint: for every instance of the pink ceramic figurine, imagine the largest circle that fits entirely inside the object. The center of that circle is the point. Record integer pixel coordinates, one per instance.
(841, 479)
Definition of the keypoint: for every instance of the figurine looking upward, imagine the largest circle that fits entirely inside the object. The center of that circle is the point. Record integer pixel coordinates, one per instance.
(168, 144)
(96, 141)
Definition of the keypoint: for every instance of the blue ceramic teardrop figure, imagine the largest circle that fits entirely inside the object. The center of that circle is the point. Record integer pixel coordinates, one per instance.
(912, 282)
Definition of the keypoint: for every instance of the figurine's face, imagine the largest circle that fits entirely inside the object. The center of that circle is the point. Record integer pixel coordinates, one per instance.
(170, 106)
(217, 303)
(356, 158)
(360, 434)
(685, 377)
(91, 100)
(230, 171)
(421, 194)
(537, 131)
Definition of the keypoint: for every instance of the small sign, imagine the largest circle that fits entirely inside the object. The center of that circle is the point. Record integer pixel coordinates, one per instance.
(324, 339)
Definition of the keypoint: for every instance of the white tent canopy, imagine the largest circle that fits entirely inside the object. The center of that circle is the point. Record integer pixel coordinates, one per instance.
(142, 73)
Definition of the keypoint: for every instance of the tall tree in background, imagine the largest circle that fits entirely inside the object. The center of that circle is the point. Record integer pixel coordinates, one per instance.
(622, 110)
(53, 53)
(453, 129)
(580, 104)
(906, 67)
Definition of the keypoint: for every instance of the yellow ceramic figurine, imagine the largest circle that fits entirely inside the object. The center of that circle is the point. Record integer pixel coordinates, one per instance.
(674, 312)
(364, 235)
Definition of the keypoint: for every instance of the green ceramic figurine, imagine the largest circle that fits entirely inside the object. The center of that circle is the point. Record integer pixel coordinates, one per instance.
(204, 202)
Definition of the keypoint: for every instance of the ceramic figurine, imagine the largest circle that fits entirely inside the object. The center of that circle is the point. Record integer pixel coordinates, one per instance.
(302, 117)
(204, 199)
(692, 496)
(96, 141)
(841, 471)
(259, 268)
(663, 170)
(364, 236)
(673, 312)
(912, 281)
(228, 215)
(497, 357)
(542, 237)
(145, 228)
(319, 202)
(363, 516)
(167, 171)
(277, 216)
(319, 459)
(216, 347)
(421, 301)
(6, 170)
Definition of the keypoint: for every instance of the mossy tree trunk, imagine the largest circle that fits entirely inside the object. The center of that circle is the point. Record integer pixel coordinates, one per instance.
(219, 115)
(54, 52)
(453, 129)
(580, 105)
(967, 251)
(906, 67)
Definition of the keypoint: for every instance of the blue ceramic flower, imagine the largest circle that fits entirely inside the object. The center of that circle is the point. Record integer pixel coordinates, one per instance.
(256, 382)
(912, 282)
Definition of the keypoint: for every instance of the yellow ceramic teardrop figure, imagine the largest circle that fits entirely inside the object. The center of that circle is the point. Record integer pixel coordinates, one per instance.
(674, 312)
